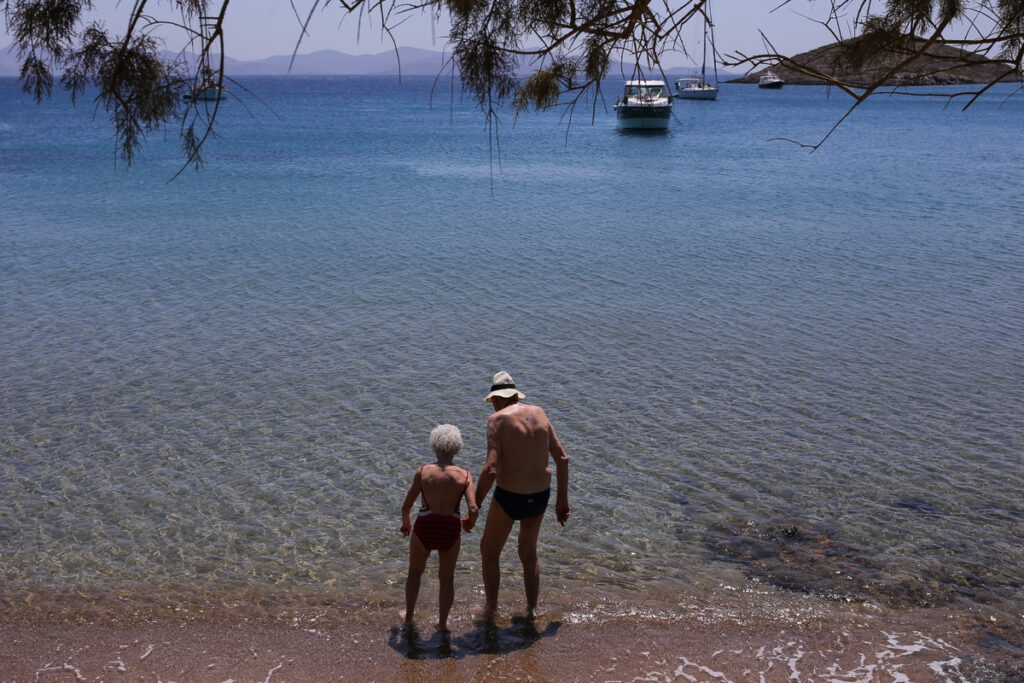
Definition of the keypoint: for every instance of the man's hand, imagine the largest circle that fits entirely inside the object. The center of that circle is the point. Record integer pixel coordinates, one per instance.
(562, 512)
(468, 522)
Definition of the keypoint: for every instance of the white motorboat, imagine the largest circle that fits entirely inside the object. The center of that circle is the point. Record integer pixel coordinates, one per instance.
(771, 81)
(644, 105)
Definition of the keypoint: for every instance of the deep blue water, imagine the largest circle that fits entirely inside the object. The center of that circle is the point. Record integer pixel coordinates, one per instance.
(220, 386)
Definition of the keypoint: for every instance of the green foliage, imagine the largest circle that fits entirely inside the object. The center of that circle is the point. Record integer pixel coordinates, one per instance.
(36, 77)
(44, 31)
(141, 93)
(880, 35)
(596, 60)
(45, 25)
(540, 90)
(1011, 25)
(487, 71)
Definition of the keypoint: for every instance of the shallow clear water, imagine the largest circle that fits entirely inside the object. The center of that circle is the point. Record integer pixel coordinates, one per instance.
(222, 385)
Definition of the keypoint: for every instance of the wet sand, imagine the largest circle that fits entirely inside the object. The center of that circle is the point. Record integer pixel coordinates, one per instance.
(556, 646)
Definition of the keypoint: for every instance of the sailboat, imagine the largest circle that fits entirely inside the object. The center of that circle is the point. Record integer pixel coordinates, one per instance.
(208, 88)
(698, 88)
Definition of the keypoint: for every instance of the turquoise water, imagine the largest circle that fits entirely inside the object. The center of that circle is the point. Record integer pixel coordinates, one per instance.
(765, 364)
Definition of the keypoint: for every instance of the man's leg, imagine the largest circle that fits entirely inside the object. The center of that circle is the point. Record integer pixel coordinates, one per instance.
(496, 532)
(529, 530)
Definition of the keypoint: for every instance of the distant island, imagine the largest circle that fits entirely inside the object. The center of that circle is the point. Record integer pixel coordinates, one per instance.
(946, 66)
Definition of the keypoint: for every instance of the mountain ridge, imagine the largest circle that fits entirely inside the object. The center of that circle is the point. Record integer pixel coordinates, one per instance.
(407, 61)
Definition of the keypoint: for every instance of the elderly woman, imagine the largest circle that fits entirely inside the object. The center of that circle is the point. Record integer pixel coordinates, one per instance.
(442, 486)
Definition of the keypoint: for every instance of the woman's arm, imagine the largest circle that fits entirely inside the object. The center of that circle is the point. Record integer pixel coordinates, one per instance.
(410, 499)
(469, 519)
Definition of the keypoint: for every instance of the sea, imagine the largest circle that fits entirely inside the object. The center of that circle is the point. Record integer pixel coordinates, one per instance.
(789, 376)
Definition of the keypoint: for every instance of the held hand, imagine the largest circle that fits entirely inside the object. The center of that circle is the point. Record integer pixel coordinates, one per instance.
(406, 528)
(562, 512)
(468, 522)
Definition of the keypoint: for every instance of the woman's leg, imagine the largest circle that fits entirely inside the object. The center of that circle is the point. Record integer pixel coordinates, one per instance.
(446, 575)
(417, 563)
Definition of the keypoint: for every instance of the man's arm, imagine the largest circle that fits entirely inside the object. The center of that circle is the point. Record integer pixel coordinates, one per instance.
(562, 474)
(490, 471)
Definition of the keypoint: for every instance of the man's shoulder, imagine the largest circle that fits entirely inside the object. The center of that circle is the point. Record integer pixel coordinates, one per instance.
(534, 412)
(518, 417)
(516, 410)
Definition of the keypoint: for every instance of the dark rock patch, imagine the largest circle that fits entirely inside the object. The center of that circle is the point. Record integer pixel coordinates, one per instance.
(811, 558)
(917, 506)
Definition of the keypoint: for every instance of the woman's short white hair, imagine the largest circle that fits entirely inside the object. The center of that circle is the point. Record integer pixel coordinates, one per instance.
(445, 440)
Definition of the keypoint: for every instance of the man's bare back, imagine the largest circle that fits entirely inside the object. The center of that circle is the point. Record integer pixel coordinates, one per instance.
(521, 436)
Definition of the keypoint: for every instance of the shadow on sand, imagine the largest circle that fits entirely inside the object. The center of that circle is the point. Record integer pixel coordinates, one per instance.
(486, 638)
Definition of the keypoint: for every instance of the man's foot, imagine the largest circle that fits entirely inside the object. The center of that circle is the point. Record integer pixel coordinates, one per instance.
(487, 613)
(527, 615)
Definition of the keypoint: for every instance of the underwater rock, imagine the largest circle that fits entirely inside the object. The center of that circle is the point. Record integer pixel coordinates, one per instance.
(811, 558)
(917, 506)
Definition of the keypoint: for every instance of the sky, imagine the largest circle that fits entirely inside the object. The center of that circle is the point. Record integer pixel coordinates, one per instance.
(256, 29)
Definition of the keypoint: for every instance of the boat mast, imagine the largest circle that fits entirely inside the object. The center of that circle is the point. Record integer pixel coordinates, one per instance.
(704, 61)
(207, 26)
(710, 26)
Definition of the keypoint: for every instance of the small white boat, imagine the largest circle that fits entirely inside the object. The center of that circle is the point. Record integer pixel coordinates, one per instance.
(207, 91)
(209, 88)
(697, 87)
(771, 81)
(644, 105)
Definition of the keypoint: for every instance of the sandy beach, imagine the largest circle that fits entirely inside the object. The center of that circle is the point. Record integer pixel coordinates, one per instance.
(555, 647)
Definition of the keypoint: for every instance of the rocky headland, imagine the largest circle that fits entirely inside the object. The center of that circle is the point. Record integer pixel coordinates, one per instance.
(856, 64)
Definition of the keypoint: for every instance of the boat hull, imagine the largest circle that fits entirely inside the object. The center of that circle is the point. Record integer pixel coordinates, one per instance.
(774, 85)
(707, 93)
(635, 117)
(205, 94)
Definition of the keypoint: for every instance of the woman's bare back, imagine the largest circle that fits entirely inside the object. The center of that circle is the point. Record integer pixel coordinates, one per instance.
(443, 487)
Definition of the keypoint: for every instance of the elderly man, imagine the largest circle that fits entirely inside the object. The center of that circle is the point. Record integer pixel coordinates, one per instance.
(519, 440)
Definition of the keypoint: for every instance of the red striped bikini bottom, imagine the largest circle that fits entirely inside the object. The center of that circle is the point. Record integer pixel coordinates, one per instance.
(437, 532)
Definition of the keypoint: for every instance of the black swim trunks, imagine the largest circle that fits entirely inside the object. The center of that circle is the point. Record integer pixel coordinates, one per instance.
(522, 505)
